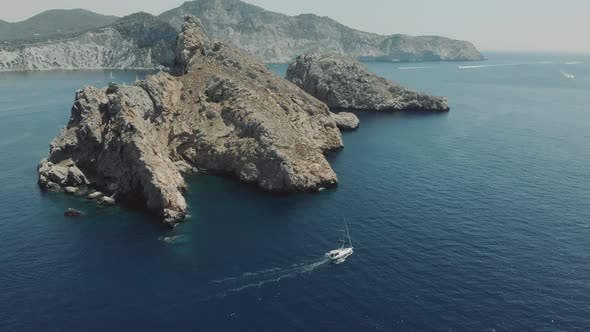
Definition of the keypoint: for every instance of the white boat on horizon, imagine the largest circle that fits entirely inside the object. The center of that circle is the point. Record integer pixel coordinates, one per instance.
(568, 75)
(339, 255)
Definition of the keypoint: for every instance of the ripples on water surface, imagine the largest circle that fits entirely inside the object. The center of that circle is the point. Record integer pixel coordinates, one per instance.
(477, 220)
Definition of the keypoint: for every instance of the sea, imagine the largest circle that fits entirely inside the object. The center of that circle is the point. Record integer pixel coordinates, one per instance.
(475, 220)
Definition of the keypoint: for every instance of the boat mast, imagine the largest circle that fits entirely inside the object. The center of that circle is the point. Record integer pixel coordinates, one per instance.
(348, 234)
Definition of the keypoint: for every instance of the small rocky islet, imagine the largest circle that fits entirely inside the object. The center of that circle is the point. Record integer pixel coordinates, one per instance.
(343, 83)
(223, 112)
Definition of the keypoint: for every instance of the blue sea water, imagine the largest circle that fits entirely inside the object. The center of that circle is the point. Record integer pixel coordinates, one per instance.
(475, 220)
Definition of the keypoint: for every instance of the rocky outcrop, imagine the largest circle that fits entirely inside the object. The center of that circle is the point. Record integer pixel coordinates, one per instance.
(94, 195)
(346, 120)
(226, 114)
(73, 213)
(64, 173)
(344, 83)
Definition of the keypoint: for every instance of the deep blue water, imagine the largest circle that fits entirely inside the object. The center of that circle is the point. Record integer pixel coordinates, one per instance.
(477, 220)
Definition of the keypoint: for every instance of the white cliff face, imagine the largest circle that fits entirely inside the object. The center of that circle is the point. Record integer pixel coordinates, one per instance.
(105, 48)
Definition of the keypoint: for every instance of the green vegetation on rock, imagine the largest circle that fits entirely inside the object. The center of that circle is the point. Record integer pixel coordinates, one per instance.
(51, 25)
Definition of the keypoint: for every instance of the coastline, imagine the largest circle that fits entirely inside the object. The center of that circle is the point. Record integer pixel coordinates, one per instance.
(78, 69)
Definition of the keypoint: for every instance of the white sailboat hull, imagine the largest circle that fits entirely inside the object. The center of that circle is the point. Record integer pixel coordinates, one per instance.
(339, 255)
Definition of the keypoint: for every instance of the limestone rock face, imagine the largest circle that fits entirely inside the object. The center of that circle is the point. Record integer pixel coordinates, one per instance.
(250, 123)
(226, 114)
(105, 48)
(64, 173)
(344, 83)
(346, 120)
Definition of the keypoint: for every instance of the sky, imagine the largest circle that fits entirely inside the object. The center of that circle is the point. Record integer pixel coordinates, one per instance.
(502, 25)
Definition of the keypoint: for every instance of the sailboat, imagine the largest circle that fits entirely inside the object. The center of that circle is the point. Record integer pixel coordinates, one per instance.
(339, 255)
(568, 75)
(111, 76)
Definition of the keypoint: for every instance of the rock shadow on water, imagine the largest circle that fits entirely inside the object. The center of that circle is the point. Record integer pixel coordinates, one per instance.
(93, 212)
(366, 117)
(407, 113)
(226, 183)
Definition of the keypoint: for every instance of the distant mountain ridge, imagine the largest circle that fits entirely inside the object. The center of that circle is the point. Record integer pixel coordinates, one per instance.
(275, 37)
(53, 24)
(79, 39)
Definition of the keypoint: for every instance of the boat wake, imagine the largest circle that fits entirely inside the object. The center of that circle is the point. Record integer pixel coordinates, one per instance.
(263, 277)
(175, 239)
(505, 65)
(412, 68)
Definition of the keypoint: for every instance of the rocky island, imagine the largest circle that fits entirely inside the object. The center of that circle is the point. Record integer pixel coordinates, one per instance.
(50, 40)
(225, 112)
(344, 83)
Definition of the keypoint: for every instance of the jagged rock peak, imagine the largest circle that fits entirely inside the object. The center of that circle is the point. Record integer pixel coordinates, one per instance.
(191, 38)
(193, 26)
(344, 83)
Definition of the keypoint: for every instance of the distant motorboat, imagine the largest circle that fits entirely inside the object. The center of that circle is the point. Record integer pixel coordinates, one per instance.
(339, 255)
(568, 75)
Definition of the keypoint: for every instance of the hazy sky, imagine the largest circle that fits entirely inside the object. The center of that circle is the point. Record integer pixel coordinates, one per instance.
(524, 25)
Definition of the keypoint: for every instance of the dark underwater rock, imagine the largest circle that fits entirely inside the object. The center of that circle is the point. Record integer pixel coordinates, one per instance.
(73, 213)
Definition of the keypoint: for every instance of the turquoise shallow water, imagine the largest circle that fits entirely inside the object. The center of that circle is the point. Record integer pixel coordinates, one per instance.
(476, 220)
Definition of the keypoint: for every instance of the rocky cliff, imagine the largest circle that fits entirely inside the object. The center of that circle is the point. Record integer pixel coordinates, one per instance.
(225, 113)
(137, 41)
(271, 37)
(105, 48)
(344, 83)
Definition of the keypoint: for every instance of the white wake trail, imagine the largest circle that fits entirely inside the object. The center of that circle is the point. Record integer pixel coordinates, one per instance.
(488, 66)
(505, 65)
(416, 67)
(260, 278)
